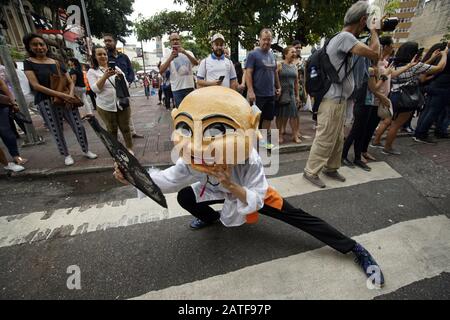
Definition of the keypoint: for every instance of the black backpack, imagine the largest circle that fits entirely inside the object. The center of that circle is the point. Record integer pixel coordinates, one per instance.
(320, 73)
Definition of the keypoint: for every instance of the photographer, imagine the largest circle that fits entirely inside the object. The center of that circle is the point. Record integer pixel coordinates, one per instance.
(103, 79)
(404, 84)
(180, 63)
(437, 99)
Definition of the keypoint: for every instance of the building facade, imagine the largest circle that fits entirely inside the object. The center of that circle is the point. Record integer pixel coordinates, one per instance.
(430, 22)
(405, 14)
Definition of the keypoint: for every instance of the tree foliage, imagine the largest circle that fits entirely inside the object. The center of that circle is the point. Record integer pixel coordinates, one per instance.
(240, 21)
(105, 16)
(391, 7)
(446, 37)
(162, 23)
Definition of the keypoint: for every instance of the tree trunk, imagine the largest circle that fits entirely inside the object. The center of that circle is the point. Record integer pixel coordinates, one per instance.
(234, 32)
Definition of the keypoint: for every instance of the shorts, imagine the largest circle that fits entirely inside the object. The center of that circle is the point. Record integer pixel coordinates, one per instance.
(395, 97)
(267, 106)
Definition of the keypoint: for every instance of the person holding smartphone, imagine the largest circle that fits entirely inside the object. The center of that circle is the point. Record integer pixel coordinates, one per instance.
(217, 69)
(102, 81)
(180, 63)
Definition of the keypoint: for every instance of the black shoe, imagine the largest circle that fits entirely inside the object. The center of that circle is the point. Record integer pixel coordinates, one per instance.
(362, 165)
(347, 163)
(368, 264)
(441, 136)
(335, 175)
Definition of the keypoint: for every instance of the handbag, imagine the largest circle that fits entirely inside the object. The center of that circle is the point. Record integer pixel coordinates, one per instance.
(122, 93)
(20, 117)
(58, 82)
(411, 97)
(384, 113)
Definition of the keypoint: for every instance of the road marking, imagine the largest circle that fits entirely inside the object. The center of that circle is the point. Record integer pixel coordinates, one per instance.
(38, 226)
(407, 252)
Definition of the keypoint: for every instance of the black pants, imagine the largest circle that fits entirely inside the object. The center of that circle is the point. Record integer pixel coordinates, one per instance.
(364, 124)
(294, 216)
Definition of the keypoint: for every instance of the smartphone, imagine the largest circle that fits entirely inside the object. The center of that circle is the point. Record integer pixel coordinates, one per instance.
(112, 65)
(221, 78)
(419, 53)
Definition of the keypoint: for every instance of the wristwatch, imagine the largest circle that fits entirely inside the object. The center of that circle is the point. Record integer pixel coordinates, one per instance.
(383, 77)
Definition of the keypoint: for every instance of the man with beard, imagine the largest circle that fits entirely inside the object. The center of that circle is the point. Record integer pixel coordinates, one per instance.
(217, 69)
(124, 63)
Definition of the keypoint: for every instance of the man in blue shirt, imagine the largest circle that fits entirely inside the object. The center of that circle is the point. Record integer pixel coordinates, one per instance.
(262, 80)
(124, 63)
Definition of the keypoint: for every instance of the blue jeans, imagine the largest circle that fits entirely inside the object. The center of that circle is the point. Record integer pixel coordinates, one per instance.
(178, 96)
(6, 132)
(436, 104)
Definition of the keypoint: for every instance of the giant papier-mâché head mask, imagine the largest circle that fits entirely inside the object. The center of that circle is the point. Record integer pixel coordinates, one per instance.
(214, 126)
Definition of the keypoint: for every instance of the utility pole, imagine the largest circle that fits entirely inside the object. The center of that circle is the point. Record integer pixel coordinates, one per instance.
(24, 17)
(143, 56)
(88, 28)
(5, 54)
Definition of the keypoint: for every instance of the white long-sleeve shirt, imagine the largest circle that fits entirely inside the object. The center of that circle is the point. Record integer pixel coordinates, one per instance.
(106, 97)
(250, 176)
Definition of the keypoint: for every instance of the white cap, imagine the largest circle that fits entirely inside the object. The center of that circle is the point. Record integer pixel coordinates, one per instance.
(217, 36)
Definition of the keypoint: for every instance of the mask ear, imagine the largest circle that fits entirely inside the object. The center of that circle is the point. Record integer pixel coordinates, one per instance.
(174, 113)
(255, 120)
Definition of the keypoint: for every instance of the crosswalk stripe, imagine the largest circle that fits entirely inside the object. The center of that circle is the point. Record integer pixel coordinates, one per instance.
(38, 226)
(407, 252)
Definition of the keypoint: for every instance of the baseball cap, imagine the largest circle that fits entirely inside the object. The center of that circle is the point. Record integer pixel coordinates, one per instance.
(217, 36)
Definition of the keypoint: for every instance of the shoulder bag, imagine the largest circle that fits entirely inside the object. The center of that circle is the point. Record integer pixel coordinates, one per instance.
(58, 82)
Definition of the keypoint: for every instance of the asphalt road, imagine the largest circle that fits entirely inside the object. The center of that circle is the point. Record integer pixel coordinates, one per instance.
(164, 258)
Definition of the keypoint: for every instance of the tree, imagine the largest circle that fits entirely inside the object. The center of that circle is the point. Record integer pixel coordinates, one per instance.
(242, 20)
(105, 16)
(136, 66)
(162, 23)
(167, 22)
(391, 7)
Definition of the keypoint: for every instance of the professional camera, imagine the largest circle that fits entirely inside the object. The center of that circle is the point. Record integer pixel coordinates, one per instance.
(389, 24)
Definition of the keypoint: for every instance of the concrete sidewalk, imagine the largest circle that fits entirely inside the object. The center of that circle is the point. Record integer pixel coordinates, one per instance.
(150, 119)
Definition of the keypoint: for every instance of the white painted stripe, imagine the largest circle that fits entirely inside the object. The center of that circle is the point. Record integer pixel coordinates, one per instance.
(39, 226)
(407, 252)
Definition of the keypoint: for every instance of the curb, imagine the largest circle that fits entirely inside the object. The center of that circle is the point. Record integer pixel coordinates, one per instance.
(50, 173)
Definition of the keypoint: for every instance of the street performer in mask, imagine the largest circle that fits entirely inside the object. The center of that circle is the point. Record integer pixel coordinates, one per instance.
(215, 131)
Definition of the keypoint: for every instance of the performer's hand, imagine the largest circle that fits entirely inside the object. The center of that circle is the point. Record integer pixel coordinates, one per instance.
(118, 175)
(223, 175)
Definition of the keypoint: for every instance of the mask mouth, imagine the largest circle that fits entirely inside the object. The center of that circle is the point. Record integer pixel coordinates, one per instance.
(203, 161)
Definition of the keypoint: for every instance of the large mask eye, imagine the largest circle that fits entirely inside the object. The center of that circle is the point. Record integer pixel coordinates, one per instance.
(216, 130)
(184, 129)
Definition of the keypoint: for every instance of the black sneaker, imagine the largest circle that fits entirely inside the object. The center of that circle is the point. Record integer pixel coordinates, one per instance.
(368, 265)
(441, 136)
(362, 165)
(426, 140)
(347, 163)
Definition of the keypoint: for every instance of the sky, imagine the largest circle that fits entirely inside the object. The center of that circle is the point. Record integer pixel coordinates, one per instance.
(148, 8)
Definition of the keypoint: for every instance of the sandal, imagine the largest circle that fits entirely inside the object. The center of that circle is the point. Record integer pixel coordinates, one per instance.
(368, 156)
(20, 161)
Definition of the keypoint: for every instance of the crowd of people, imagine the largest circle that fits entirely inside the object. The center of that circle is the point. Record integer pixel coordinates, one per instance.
(373, 87)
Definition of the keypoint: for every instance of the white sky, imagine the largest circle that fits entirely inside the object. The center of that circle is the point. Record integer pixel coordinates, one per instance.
(148, 8)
